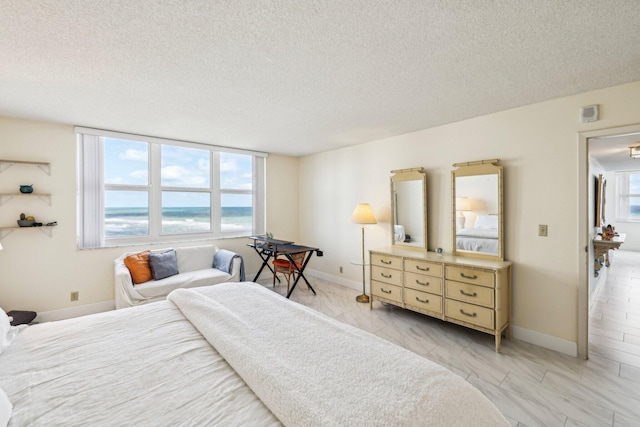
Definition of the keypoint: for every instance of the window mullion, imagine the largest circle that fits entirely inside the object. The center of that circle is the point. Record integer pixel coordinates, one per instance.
(155, 193)
(216, 202)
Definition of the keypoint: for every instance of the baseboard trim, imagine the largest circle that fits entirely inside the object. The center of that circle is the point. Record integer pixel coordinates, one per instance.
(81, 310)
(532, 337)
(547, 341)
(352, 284)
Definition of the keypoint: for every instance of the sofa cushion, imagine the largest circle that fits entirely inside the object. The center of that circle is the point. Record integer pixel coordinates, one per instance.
(195, 257)
(163, 264)
(191, 279)
(138, 265)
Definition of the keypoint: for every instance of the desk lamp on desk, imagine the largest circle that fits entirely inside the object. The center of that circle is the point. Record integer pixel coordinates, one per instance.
(363, 214)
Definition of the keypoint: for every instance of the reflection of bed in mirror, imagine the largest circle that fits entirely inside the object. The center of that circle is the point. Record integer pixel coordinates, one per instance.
(481, 236)
(409, 208)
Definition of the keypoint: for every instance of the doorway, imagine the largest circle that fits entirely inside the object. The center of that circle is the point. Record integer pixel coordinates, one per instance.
(610, 150)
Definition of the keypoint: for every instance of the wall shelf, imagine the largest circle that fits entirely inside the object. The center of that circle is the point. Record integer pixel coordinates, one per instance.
(46, 229)
(6, 164)
(5, 197)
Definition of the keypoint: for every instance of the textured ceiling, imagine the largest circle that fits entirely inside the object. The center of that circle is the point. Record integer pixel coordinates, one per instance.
(300, 77)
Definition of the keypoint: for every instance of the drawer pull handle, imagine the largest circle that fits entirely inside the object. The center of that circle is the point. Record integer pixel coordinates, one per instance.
(474, 277)
(425, 301)
(421, 268)
(385, 276)
(468, 314)
(423, 284)
(386, 292)
(385, 262)
(468, 295)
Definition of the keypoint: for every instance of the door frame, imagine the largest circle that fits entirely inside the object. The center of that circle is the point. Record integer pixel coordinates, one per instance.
(585, 249)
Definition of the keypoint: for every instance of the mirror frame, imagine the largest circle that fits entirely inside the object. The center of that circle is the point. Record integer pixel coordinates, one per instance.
(480, 167)
(413, 174)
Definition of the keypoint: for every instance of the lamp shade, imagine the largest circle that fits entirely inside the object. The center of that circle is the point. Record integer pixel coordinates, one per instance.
(462, 204)
(363, 214)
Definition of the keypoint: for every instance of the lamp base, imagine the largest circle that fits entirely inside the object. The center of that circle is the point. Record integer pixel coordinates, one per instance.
(362, 298)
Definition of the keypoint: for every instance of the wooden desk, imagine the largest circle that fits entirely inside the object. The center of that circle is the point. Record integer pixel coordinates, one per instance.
(601, 249)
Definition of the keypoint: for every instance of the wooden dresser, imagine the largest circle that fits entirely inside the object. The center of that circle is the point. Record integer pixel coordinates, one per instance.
(471, 292)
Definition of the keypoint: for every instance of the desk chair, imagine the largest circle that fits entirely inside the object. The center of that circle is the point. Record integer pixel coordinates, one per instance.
(284, 266)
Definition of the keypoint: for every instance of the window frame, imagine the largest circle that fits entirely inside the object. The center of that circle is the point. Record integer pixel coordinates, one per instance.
(623, 195)
(89, 202)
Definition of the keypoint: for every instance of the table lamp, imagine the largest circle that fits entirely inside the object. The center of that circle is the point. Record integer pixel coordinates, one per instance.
(363, 214)
(462, 205)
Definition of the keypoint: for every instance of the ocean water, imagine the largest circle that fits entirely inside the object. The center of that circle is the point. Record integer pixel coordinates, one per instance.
(135, 221)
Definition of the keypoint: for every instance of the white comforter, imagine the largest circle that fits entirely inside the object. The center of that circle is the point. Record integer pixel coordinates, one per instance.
(311, 370)
(149, 366)
(141, 366)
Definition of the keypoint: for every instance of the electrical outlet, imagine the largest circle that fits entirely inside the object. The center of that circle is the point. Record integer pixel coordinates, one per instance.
(340, 269)
(75, 295)
(542, 230)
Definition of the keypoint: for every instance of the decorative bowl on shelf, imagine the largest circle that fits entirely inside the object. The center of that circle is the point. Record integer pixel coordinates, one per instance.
(26, 223)
(26, 189)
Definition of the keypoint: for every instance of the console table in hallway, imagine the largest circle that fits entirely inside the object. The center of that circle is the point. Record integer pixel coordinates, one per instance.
(601, 249)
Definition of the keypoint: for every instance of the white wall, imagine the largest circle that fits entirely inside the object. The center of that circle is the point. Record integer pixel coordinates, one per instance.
(39, 272)
(538, 147)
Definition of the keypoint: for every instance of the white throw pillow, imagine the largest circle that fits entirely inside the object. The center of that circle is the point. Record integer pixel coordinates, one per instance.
(7, 332)
(194, 258)
(487, 222)
(5, 327)
(5, 409)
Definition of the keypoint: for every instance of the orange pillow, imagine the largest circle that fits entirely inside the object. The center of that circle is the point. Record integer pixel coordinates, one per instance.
(138, 265)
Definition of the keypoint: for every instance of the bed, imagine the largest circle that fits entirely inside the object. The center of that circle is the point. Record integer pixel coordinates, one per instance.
(482, 236)
(231, 354)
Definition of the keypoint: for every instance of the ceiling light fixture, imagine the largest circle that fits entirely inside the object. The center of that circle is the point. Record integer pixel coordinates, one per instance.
(634, 152)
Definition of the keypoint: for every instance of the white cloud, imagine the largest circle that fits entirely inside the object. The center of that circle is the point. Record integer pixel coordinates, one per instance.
(140, 175)
(228, 166)
(183, 177)
(137, 155)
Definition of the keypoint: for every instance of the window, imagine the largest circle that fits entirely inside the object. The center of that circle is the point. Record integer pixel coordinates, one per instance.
(140, 189)
(628, 196)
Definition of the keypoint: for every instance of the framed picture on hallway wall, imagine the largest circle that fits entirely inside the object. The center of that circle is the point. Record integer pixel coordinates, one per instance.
(601, 186)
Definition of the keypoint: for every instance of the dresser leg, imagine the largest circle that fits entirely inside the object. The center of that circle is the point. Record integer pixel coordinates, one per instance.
(498, 338)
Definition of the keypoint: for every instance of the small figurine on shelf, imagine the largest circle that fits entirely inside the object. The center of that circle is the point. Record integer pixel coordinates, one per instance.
(608, 232)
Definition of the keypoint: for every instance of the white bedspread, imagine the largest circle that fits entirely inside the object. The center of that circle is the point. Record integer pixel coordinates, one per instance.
(141, 366)
(477, 239)
(311, 370)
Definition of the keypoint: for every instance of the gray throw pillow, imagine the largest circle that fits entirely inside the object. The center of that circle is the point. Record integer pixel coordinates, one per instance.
(163, 264)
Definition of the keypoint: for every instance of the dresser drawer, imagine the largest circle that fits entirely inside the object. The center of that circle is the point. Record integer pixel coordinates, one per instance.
(473, 294)
(386, 290)
(386, 275)
(424, 283)
(423, 267)
(469, 313)
(470, 275)
(387, 261)
(423, 300)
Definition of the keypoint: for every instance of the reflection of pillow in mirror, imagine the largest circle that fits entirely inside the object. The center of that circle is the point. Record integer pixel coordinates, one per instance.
(486, 222)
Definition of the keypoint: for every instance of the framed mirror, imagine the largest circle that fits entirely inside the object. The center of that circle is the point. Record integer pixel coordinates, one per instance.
(409, 208)
(477, 209)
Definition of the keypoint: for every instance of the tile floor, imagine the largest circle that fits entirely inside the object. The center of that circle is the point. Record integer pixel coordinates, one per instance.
(532, 386)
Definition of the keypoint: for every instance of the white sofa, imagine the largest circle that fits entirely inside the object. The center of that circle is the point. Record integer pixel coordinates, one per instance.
(195, 268)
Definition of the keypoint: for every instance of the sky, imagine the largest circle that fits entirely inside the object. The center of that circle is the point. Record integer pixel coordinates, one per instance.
(127, 162)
